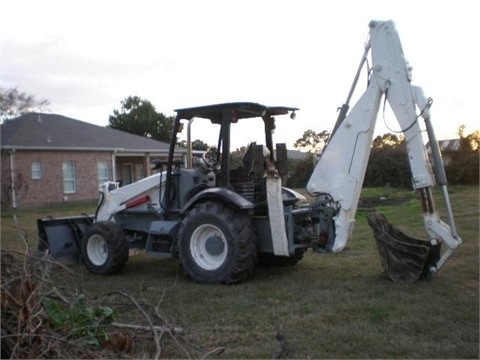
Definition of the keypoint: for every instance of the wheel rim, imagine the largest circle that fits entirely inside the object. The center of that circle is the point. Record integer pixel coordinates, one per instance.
(97, 250)
(208, 247)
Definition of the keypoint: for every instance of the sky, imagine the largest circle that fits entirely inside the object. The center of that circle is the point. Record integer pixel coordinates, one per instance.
(85, 57)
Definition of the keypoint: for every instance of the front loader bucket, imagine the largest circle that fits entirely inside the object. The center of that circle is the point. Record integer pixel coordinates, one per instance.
(62, 236)
(404, 259)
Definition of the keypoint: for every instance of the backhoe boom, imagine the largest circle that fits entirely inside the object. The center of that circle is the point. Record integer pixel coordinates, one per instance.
(342, 166)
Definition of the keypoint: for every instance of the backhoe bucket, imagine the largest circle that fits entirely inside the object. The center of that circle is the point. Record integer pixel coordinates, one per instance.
(404, 259)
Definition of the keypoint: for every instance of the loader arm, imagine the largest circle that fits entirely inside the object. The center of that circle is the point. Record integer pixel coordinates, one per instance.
(342, 166)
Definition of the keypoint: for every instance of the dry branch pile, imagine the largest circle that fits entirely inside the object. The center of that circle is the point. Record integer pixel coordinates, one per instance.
(25, 330)
(44, 318)
(26, 333)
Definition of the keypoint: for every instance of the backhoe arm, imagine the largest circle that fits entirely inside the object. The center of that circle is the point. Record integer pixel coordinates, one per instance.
(341, 169)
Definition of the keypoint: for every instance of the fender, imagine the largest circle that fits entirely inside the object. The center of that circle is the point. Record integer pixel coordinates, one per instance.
(219, 194)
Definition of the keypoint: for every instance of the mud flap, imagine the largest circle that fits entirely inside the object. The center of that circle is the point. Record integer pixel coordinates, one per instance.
(404, 259)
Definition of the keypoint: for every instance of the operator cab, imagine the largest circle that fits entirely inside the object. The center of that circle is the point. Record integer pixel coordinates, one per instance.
(216, 168)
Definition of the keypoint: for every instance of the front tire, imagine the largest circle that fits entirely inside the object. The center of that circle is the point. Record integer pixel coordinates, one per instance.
(217, 244)
(104, 248)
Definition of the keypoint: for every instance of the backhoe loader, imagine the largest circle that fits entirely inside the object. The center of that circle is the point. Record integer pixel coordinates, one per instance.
(220, 220)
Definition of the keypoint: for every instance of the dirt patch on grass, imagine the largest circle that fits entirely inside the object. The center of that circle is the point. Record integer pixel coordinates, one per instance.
(374, 202)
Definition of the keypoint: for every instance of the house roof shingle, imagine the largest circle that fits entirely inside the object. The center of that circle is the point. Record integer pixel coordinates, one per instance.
(51, 131)
(445, 146)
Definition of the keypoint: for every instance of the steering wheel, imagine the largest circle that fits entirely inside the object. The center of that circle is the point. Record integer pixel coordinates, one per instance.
(211, 162)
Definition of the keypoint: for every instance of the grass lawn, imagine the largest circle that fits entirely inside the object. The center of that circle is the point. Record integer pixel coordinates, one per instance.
(327, 306)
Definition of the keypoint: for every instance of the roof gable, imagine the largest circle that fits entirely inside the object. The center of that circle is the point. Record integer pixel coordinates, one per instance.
(52, 131)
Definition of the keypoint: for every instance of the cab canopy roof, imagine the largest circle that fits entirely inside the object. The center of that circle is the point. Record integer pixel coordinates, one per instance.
(237, 110)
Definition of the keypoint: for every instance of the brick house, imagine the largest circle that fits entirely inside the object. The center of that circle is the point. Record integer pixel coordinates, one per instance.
(50, 159)
(447, 148)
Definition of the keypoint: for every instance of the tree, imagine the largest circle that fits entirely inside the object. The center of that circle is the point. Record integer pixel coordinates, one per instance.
(464, 165)
(200, 145)
(388, 162)
(299, 171)
(139, 116)
(387, 141)
(12, 186)
(14, 103)
(471, 141)
(196, 145)
(312, 141)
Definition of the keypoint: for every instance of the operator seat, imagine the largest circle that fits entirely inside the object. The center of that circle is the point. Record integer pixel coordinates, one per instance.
(254, 161)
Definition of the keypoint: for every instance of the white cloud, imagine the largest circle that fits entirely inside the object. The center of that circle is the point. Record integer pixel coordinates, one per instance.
(86, 56)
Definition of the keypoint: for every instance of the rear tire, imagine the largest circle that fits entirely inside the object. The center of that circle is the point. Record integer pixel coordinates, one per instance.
(104, 248)
(217, 244)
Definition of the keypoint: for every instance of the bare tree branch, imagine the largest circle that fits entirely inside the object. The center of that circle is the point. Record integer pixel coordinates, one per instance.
(147, 328)
(156, 336)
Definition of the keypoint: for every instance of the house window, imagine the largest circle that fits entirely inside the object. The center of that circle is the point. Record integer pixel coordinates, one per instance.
(102, 172)
(127, 174)
(139, 173)
(36, 170)
(69, 180)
